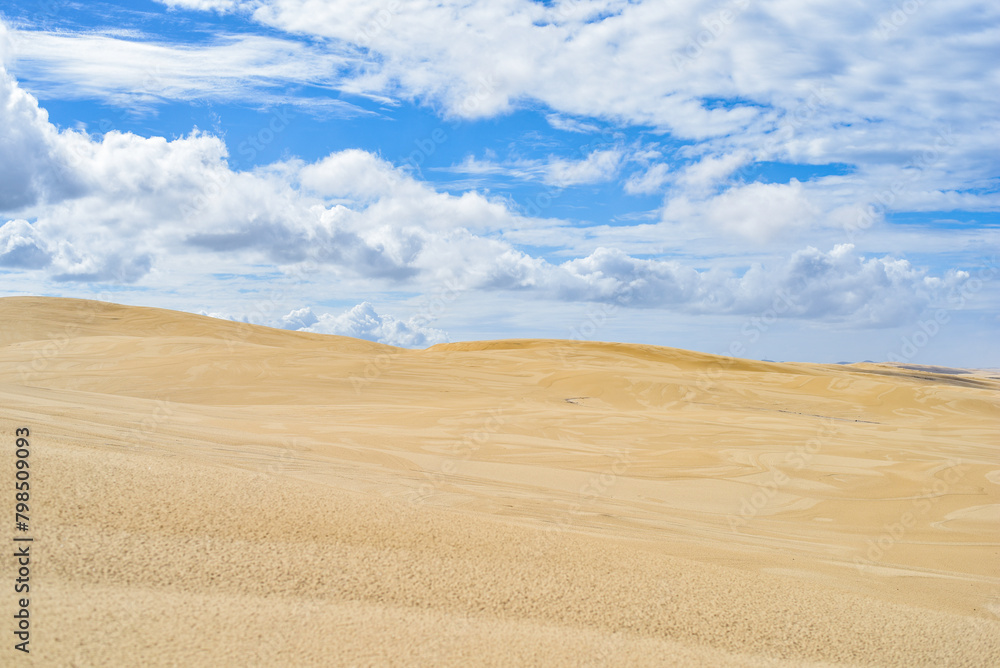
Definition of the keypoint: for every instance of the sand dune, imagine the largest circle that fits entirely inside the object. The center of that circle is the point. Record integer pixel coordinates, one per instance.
(210, 493)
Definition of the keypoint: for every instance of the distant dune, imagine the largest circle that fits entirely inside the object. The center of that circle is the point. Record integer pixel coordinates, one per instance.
(206, 493)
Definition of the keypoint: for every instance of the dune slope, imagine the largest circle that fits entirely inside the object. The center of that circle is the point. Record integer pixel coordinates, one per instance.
(210, 493)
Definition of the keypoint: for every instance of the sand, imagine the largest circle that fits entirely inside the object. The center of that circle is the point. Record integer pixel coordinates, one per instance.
(206, 493)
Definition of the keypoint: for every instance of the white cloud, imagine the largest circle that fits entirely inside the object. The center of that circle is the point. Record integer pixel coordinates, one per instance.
(363, 322)
(836, 285)
(649, 181)
(100, 202)
(704, 175)
(757, 211)
(128, 72)
(201, 5)
(299, 319)
(571, 124)
(354, 175)
(816, 83)
(6, 44)
(598, 166)
(472, 165)
(21, 247)
(126, 208)
(35, 163)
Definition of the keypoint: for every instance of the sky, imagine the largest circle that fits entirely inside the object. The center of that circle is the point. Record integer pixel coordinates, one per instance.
(767, 179)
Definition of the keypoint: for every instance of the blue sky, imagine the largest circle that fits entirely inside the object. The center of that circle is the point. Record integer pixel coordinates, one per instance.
(776, 181)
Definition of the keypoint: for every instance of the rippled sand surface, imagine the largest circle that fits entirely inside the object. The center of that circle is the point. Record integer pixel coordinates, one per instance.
(206, 493)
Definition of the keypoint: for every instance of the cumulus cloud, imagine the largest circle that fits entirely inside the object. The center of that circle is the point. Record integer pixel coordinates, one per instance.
(359, 322)
(106, 209)
(21, 247)
(838, 285)
(757, 211)
(353, 175)
(364, 322)
(115, 209)
(299, 319)
(36, 164)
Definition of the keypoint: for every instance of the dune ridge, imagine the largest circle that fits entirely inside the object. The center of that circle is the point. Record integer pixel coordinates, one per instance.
(213, 493)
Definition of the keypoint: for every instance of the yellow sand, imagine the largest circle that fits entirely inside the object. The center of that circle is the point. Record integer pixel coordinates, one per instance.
(206, 493)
